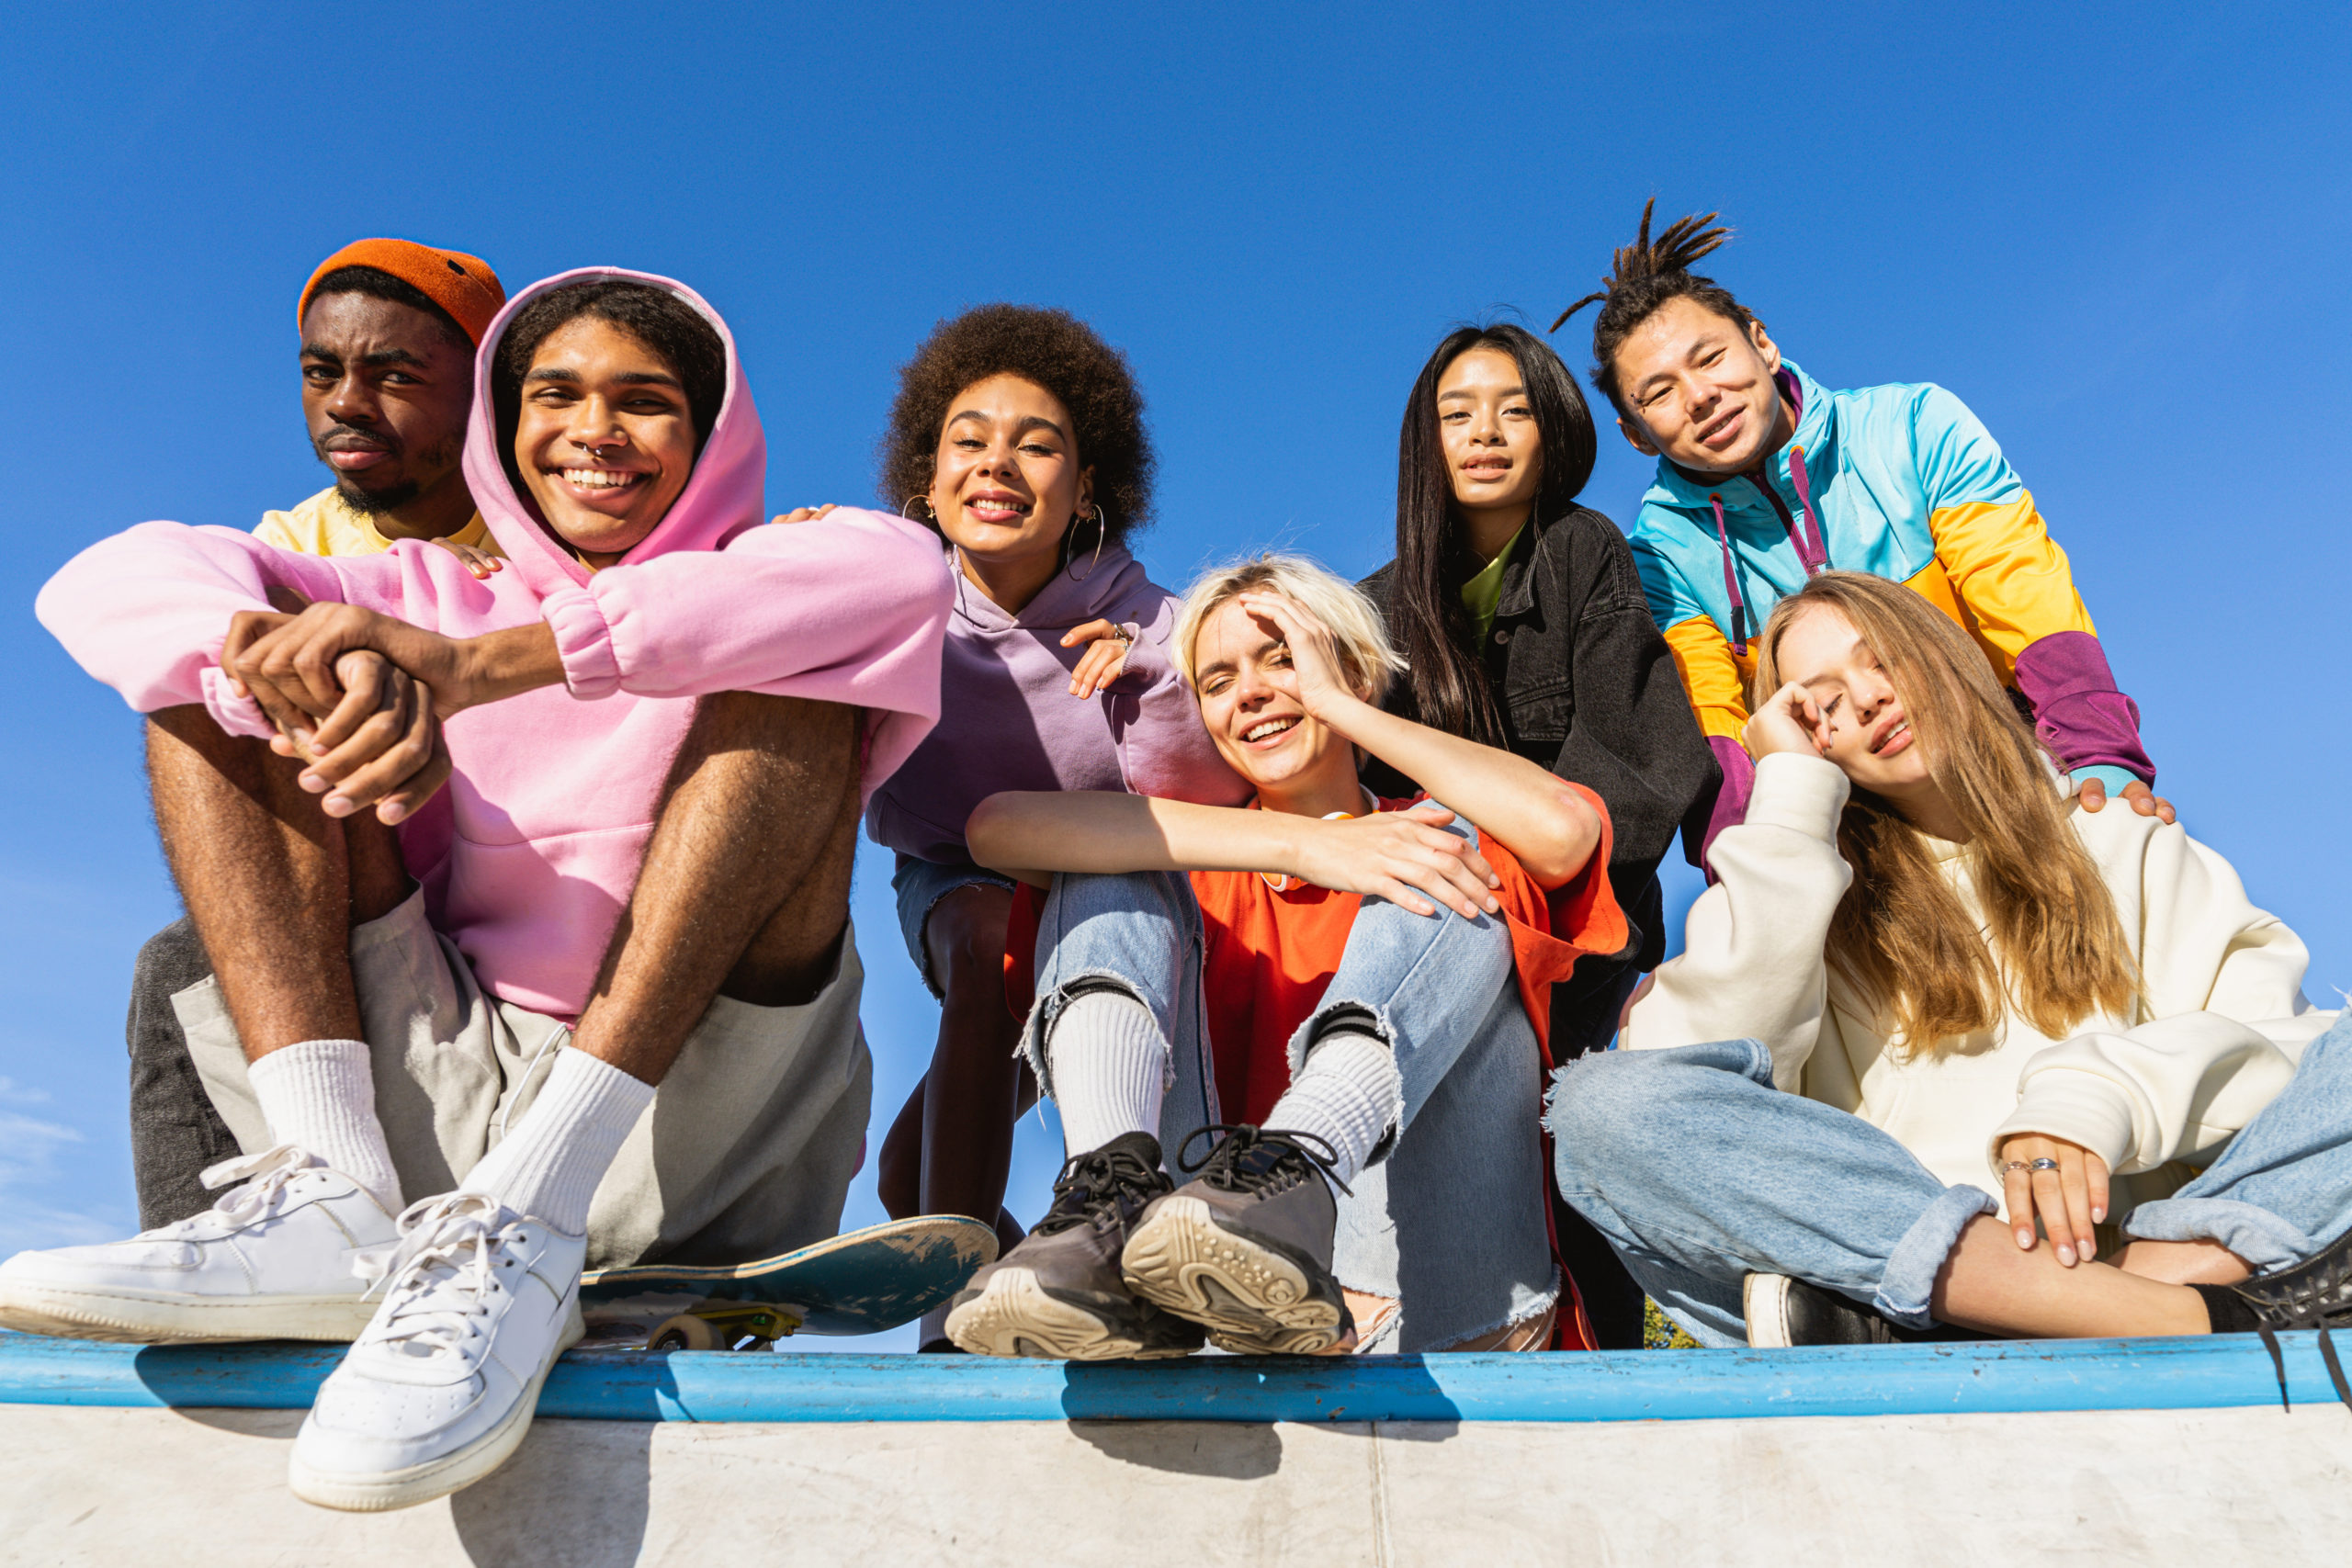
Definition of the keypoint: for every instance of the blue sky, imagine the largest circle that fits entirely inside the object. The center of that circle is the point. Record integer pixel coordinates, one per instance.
(2117, 232)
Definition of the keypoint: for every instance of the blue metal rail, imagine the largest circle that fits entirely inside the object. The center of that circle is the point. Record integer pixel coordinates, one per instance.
(1645, 1386)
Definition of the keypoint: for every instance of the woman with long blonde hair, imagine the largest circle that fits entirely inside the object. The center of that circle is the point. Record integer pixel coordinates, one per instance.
(1926, 977)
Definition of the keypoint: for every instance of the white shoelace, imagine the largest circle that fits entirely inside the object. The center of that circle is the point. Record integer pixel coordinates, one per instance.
(451, 1251)
(260, 1178)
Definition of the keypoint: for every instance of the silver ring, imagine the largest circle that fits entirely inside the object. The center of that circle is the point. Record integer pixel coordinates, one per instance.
(2044, 1163)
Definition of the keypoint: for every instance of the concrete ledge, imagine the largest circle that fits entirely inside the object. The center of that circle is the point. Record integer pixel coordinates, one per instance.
(206, 1489)
(2204, 1373)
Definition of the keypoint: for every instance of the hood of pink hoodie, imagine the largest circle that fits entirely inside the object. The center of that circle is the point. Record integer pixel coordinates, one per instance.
(725, 494)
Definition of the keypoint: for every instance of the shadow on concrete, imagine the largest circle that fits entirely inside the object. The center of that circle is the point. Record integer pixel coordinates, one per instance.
(575, 1495)
(1231, 1450)
(276, 1425)
(1417, 1431)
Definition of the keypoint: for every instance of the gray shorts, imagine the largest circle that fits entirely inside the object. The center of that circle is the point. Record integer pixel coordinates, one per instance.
(746, 1150)
(920, 885)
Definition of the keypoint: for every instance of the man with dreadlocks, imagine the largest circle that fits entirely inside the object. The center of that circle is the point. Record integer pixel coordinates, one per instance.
(1766, 478)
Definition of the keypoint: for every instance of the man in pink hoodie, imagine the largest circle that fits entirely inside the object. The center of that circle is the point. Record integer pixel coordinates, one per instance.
(657, 727)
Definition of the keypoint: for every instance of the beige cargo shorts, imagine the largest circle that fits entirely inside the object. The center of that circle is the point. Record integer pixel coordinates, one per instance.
(746, 1151)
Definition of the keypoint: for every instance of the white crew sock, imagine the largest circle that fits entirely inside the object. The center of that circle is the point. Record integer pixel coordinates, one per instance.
(548, 1165)
(1109, 1067)
(1347, 1094)
(321, 1096)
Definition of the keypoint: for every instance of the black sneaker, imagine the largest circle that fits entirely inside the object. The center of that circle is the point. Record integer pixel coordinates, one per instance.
(1783, 1312)
(1059, 1292)
(1246, 1248)
(2316, 1293)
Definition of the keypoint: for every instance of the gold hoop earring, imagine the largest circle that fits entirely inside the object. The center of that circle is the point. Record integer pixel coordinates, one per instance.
(933, 519)
(1102, 530)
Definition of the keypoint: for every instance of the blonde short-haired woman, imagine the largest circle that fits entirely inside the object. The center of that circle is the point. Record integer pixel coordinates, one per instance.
(1327, 990)
(1923, 978)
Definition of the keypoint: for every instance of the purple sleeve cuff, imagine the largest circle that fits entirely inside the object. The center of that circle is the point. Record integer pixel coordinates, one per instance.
(1731, 801)
(584, 641)
(1145, 664)
(2079, 714)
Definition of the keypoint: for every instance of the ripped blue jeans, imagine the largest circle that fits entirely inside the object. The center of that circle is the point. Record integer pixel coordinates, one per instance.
(1449, 1219)
(1699, 1172)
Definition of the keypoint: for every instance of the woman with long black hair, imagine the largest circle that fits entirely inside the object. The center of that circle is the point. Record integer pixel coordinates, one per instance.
(1522, 621)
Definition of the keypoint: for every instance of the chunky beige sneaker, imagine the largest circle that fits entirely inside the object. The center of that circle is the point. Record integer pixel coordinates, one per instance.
(1059, 1292)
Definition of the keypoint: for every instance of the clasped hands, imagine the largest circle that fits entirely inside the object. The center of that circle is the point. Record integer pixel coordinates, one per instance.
(357, 696)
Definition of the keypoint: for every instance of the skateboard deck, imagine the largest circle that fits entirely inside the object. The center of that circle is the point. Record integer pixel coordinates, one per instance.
(862, 1282)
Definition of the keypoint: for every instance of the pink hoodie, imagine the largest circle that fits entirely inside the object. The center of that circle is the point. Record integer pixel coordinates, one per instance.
(529, 864)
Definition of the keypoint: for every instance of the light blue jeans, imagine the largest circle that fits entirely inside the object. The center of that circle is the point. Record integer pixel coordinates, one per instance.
(1449, 1220)
(1699, 1172)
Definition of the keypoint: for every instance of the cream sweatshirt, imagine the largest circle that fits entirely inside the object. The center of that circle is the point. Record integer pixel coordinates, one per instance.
(2216, 1036)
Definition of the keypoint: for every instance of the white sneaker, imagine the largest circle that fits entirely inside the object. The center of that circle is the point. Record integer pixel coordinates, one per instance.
(274, 1258)
(439, 1390)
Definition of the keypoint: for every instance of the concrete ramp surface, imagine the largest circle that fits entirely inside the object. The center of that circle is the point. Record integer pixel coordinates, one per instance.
(1970, 1454)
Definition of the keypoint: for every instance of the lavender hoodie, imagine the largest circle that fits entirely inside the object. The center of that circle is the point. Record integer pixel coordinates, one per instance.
(1007, 719)
(530, 854)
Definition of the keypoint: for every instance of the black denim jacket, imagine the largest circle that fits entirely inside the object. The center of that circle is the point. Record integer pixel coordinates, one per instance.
(1586, 688)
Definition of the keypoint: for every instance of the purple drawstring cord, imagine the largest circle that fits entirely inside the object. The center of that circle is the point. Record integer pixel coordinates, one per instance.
(1731, 584)
(1817, 561)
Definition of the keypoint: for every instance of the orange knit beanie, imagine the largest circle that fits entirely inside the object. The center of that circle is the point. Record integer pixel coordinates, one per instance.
(462, 285)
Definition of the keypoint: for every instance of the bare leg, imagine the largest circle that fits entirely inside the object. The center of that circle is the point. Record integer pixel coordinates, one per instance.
(2183, 1262)
(1988, 1284)
(744, 891)
(971, 1093)
(900, 1167)
(273, 883)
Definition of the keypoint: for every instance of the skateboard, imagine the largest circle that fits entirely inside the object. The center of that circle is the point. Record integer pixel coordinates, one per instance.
(862, 1282)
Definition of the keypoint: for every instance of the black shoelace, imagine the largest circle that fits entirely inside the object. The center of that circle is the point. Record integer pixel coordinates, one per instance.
(2304, 1297)
(1098, 1179)
(2289, 1318)
(1258, 1159)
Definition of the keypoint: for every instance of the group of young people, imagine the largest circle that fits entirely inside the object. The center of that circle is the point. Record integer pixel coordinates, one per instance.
(513, 784)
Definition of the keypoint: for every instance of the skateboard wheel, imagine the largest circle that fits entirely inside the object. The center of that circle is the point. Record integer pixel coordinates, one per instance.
(687, 1332)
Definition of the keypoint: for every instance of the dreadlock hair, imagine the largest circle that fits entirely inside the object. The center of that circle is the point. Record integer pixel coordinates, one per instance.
(1447, 673)
(1646, 274)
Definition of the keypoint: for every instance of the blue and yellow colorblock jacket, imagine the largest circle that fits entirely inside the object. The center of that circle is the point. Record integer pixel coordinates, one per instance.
(1901, 482)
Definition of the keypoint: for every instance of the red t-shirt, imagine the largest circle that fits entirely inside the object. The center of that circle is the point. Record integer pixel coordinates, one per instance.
(1271, 953)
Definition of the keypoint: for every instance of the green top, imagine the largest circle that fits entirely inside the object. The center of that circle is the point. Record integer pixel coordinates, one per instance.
(1484, 591)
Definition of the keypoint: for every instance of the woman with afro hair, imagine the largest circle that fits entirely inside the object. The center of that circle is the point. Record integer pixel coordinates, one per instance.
(1019, 435)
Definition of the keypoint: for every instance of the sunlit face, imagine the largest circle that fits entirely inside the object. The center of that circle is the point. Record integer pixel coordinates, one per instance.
(386, 391)
(606, 438)
(1494, 452)
(1008, 482)
(1870, 738)
(1249, 697)
(1701, 389)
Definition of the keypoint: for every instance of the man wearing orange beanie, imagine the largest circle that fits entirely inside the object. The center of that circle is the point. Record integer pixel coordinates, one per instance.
(389, 330)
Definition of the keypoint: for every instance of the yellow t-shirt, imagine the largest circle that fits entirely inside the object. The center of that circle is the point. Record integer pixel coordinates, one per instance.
(326, 524)
(1483, 594)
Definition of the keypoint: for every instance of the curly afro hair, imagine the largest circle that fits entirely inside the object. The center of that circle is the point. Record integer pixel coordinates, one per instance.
(1059, 352)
